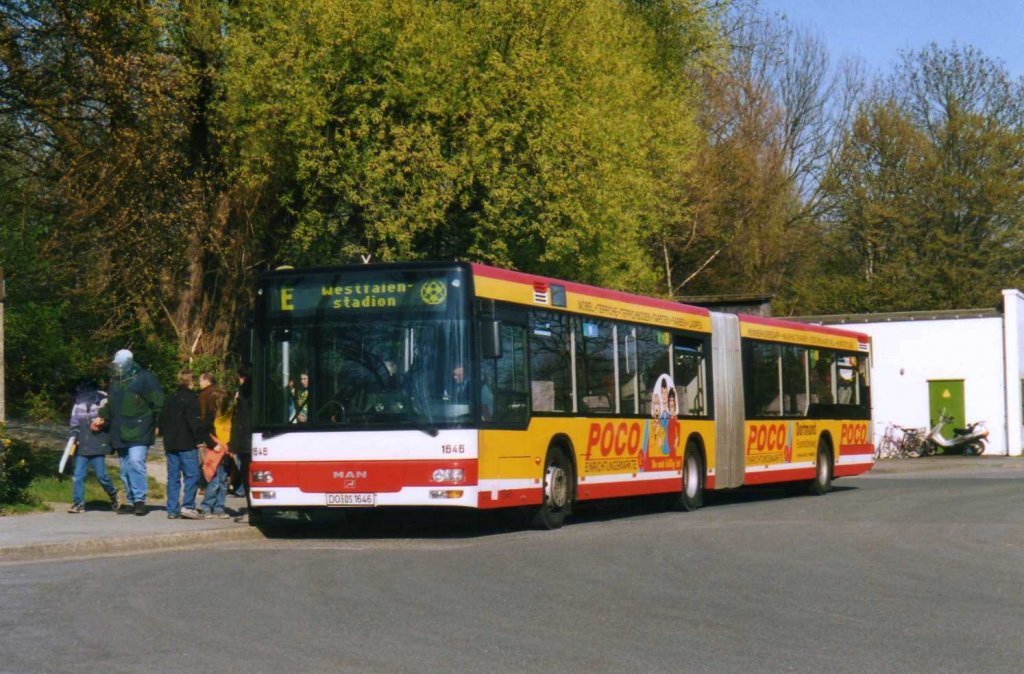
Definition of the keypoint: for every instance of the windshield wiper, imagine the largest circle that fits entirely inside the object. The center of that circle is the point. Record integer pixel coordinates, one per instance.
(430, 430)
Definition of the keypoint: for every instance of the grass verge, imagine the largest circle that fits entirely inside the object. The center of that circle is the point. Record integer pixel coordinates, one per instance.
(50, 487)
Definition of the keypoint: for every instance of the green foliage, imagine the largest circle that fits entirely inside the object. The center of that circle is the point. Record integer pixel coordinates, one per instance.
(523, 134)
(16, 469)
(925, 194)
(155, 157)
(224, 373)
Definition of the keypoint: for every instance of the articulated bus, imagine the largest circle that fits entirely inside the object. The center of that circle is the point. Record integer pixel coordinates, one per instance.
(456, 384)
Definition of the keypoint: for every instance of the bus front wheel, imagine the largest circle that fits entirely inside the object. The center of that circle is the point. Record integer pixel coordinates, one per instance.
(558, 490)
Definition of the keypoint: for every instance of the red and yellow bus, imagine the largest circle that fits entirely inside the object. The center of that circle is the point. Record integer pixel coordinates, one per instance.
(455, 384)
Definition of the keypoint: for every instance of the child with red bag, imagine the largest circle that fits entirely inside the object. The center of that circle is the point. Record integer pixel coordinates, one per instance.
(214, 464)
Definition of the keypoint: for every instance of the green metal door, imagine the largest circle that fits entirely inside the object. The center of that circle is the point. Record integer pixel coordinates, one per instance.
(946, 396)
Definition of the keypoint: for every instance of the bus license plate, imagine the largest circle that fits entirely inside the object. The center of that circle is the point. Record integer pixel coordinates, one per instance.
(351, 500)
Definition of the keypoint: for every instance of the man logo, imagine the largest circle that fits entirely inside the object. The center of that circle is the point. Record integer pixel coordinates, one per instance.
(433, 293)
(350, 474)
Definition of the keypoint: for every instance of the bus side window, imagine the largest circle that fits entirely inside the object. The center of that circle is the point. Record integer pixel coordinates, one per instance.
(762, 389)
(629, 382)
(595, 365)
(820, 373)
(690, 375)
(652, 347)
(795, 379)
(846, 381)
(550, 362)
(506, 379)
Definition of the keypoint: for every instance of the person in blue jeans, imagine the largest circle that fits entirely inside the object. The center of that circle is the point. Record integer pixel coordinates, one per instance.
(182, 432)
(214, 468)
(134, 402)
(93, 446)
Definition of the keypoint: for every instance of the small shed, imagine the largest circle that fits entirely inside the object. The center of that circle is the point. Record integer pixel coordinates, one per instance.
(755, 305)
(965, 363)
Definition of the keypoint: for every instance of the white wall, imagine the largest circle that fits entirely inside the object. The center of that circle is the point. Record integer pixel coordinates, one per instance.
(907, 354)
(1013, 338)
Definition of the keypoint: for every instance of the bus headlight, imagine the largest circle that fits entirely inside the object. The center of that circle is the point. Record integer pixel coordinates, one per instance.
(449, 475)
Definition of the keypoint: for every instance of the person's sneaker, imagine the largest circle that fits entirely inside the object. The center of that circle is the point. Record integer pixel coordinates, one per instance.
(222, 515)
(140, 508)
(76, 508)
(173, 516)
(115, 501)
(190, 514)
(203, 514)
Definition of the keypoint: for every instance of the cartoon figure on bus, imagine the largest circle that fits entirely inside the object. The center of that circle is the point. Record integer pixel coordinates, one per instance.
(662, 435)
(672, 423)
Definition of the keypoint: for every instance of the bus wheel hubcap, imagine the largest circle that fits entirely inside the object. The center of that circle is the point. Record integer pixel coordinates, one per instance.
(557, 492)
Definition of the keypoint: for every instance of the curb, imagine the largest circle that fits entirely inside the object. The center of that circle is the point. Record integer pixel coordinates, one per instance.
(132, 544)
(938, 463)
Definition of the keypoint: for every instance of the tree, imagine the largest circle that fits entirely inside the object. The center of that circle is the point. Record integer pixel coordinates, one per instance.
(526, 134)
(167, 152)
(925, 197)
(773, 119)
(113, 106)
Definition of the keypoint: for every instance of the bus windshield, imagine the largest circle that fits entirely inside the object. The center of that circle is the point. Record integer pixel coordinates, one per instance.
(407, 365)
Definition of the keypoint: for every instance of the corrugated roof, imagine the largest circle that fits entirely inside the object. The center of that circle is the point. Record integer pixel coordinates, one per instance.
(901, 316)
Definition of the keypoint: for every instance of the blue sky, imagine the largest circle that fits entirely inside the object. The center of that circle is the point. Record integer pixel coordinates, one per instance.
(876, 30)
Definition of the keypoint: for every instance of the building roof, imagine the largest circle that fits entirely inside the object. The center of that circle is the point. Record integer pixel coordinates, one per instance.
(901, 316)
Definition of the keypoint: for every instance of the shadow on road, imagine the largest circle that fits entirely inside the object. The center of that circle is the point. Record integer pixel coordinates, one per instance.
(430, 523)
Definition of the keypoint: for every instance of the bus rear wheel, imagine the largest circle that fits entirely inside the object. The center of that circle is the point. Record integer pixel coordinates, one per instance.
(822, 482)
(692, 495)
(558, 490)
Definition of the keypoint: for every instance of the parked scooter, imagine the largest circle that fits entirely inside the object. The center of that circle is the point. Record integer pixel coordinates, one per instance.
(970, 440)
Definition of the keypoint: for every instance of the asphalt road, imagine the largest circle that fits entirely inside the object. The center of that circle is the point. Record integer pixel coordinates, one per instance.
(897, 573)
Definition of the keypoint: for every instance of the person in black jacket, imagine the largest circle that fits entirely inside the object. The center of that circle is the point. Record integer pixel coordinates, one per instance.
(241, 427)
(183, 433)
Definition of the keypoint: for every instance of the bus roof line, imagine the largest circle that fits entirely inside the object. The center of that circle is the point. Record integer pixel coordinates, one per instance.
(589, 290)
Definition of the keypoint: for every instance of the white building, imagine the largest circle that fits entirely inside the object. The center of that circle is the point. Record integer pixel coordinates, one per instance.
(966, 363)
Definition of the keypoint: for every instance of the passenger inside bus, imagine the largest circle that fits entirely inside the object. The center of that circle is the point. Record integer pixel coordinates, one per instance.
(299, 399)
(460, 392)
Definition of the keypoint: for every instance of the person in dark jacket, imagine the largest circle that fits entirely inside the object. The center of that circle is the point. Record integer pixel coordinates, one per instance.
(93, 446)
(209, 394)
(183, 433)
(241, 428)
(133, 407)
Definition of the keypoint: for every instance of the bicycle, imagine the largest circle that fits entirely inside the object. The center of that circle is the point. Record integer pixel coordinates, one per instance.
(899, 442)
(889, 443)
(912, 443)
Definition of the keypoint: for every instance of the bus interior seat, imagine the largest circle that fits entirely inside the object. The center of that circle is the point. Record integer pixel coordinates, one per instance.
(543, 393)
(597, 403)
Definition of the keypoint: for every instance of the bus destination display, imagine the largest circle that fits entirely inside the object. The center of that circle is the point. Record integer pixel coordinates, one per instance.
(333, 294)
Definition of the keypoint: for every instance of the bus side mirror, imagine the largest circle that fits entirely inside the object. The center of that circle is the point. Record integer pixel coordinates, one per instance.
(490, 338)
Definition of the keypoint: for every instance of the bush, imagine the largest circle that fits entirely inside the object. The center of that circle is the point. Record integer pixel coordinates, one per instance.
(16, 469)
(40, 406)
